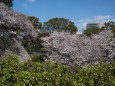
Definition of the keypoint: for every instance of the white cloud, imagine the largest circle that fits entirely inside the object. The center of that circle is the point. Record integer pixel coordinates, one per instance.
(31, 0)
(102, 17)
(25, 5)
(97, 19)
(85, 20)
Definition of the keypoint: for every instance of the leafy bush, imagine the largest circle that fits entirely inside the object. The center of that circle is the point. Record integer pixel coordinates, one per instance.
(12, 73)
(98, 75)
(9, 68)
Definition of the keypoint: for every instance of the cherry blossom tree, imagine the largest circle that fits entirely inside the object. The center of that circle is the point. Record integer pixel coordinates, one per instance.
(74, 49)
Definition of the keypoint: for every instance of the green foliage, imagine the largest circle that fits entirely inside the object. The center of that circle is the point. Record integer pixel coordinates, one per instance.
(111, 25)
(7, 2)
(59, 24)
(113, 30)
(43, 34)
(36, 57)
(91, 31)
(12, 73)
(35, 22)
(107, 25)
(31, 45)
(9, 69)
(99, 75)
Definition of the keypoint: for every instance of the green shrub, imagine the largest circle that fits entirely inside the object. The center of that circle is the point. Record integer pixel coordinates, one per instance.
(99, 75)
(12, 73)
(9, 68)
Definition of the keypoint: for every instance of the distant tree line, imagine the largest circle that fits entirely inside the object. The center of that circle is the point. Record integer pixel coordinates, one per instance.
(107, 25)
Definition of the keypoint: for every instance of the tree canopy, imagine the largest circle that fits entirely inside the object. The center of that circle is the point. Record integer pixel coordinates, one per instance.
(90, 31)
(8, 2)
(77, 49)
(110, 25)
(60, 24)
(35, 22)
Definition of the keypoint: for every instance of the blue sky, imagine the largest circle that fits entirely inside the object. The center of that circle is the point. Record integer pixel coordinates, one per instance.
(80, 12)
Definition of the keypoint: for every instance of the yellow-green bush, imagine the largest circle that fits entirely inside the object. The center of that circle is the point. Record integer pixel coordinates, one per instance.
(12, 73)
